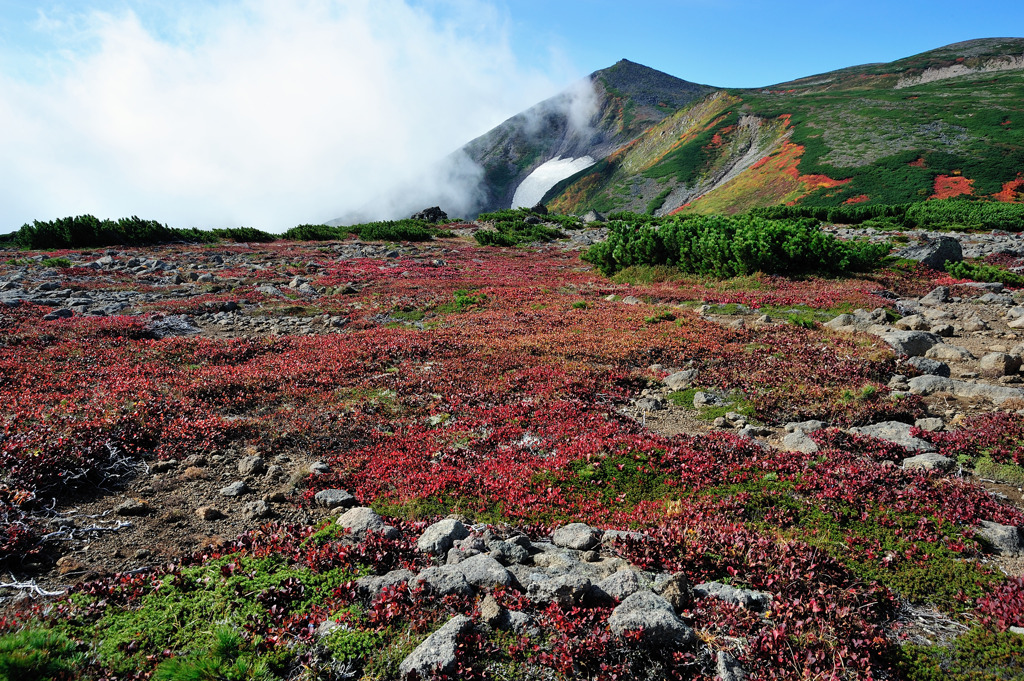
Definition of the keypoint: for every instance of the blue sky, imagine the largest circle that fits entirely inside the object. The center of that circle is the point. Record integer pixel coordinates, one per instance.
(271, 113)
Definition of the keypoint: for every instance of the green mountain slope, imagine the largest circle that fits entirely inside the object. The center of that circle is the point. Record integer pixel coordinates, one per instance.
(942, 123)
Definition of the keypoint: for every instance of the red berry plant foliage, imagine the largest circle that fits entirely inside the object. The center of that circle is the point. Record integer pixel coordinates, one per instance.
(492, 384)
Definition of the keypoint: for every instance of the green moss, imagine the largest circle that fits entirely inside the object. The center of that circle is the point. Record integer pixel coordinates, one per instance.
(38, 654)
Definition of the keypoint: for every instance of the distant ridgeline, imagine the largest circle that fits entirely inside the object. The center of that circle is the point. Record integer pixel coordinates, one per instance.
(942, 124)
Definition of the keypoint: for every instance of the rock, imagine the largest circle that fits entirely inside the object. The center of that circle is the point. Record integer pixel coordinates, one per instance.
(804, 426)
(706, 399)
(60, 313)
(510, 553)
(631, 300)
(133, 507)
(254, 510)
(318, 468)
(650, 403)
(577, 536)
(653, 617)
(434, 214)
(934, 252)
(209, 513)
(995, 299)
(744, 598)
(567, 590)
(937, 296)
(681, 380)
(235, 489)
(621, 585)
(932, 425)
(361, 519)
(436, 655)
(727, 668)
(948, 353)
(942, 330)
(482, 571)
(799, 442)
(895, 432)
(492, 614)
(334, 498)
(1017, 630)
(593, 216)
(931, 367)
(928, 462)
(928, 385)
(914, 322)
(1004, 539)
(163, 466)
(444, 581)
(676, 590)
(996, 364)
(371, 586)
(251, 465)
(911, 343)
(440, 536)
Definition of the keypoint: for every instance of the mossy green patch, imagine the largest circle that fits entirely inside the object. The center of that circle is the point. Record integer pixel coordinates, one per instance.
(978, 655)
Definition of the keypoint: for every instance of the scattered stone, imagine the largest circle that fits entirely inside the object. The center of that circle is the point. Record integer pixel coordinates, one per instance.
(757, 601)
(235, 489)
(937, 296)
(209, 513)
(482, 571)
(896, 432)
(567, 590)
(371, 586)
(163, 466)
(728, 668)
(949, 353)
(911, 343)
(675, 589)
(444, 581)
(334, 498)
(133, 507)
(804, 426)
(928, 462)
(914, 322)
(361, 519)
(620, 585)
(931, 367)
(932, 425)
(579, 536)
(318, 468)
(511, 553)
(251, 465)
(681, 380)
(440, 536)
(255, 510)
(996, 364)
(436, 655)
(1004, 539)
(799, 441)
(653, 617)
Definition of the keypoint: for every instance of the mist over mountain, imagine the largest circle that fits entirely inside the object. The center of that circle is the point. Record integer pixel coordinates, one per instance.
(946, 122)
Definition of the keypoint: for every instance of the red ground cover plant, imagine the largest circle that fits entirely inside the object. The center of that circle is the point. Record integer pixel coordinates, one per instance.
(948, 186)
(502, 401)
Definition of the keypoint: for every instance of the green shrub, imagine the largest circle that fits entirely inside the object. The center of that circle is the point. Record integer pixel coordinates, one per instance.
(964, 270)
(38, 654)
(315, 233)
(511, 228)
(721, 246)
(978, 655)
(224, 661)
(56, 262)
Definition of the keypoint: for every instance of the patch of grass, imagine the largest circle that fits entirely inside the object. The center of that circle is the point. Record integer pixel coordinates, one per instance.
(1008, 473)
(661, 317)
(734, 403)
(580, 305)
(978, 655)
(464, 299)
(628, 478)
(56, 262)
(38, 654)
(225, 659)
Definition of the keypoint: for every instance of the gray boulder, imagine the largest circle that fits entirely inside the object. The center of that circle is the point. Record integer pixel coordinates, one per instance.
(334, 498)
(744, 598)
(1004, 539)
(911, 343)
(996, 364)
(567, 590)
(579, 536)
(444, 581)
(799, 441)
(937, 296)
(371, 586)
(361, 519)
(895, 432)
(928, 462)
(931, 367)
(654, 617)
(681, 380)
(437, 653)
(441, 536)
(621, 585)
(728, 668)
(949, 353)
(482, 571)
(934, 252)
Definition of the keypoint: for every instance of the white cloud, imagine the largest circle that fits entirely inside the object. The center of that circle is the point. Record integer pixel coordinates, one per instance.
(262, 113)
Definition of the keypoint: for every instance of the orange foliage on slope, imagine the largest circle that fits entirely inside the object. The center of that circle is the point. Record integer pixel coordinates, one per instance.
(773, 180)
(1012, 192)
(948, 186)
(856, 199)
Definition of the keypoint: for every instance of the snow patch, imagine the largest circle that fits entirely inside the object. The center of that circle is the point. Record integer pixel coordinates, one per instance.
(547, 175)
